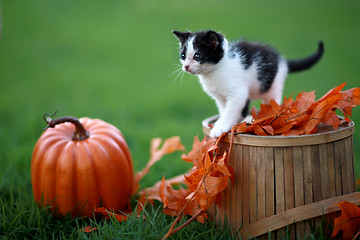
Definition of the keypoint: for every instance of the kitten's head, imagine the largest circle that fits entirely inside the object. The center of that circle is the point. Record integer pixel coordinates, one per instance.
(200, 51)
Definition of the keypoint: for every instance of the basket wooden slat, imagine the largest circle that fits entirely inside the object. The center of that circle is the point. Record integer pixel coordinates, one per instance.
(298, 214)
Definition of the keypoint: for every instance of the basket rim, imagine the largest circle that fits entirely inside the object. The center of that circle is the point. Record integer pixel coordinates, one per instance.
(284, 141)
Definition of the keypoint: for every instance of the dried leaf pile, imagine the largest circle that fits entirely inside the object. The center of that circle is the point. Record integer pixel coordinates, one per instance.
(302, 115)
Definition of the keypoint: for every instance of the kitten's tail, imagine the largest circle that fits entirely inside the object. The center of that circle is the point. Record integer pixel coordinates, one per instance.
(305, 63)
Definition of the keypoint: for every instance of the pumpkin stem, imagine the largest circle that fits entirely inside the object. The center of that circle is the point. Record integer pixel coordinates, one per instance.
(80, 132)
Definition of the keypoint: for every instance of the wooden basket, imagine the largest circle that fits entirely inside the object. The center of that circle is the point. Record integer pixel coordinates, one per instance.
(281, 181)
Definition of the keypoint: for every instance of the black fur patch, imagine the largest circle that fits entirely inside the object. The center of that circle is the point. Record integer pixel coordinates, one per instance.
(308, 62)
(183, 52)
(264, 57)
(182, 36)
(208, 44)
(245, 110)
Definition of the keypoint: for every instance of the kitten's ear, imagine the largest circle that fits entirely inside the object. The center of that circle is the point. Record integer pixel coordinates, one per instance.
(213, 39)
(182, 36)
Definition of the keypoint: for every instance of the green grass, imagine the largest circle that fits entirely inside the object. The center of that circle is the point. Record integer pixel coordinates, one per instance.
(115, 60)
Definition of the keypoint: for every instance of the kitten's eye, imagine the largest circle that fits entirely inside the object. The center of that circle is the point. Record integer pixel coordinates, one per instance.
(197, 57)
(182, 56)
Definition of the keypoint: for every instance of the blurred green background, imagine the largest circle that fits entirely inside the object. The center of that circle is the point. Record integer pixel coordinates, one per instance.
(117, 60)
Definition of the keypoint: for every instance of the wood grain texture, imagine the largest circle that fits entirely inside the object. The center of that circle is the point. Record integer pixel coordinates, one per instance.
(269, 182)
(253, 184)
(300, 227)
(261, 204)
(294, 215)
(246, 167)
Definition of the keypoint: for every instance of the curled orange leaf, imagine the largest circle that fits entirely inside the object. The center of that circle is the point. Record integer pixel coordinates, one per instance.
(348, 223)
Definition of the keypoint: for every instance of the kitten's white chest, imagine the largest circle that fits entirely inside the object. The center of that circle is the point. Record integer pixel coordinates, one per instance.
(226, 79)
(211, 85)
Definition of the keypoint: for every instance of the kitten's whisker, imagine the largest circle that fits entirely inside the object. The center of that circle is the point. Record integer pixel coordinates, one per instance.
(181, 78)
(175, 71)
(179, 72)
(177, 76)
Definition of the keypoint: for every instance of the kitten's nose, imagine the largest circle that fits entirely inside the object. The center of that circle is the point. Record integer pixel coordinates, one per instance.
(187, 67)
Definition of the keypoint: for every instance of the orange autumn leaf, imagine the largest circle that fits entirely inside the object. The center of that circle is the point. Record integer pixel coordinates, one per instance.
(87, 229)
(157, 192)
(195, 153)
(198, 151)
(304, 100)
(209, 188)
(269, 129)
(107, 214)
(345, 105)
(194, 178)
(283, 129)
(170, 145)
(287, 102)
(258, 130)
(319, 111)
(294, 132)
(348, 222)
(332, 119)
(333, 91)
(266, 113)
(241, 128)
(356, 96)
(162, 192)
(221, 166)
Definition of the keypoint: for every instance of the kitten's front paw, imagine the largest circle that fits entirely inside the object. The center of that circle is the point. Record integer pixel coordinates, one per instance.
(248, 119)
(219, 129)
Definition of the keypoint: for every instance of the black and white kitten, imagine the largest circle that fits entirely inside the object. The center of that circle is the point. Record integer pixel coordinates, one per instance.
(235, 73)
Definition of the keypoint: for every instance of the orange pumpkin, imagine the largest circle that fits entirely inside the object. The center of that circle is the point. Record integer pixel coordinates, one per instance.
(78, 165)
